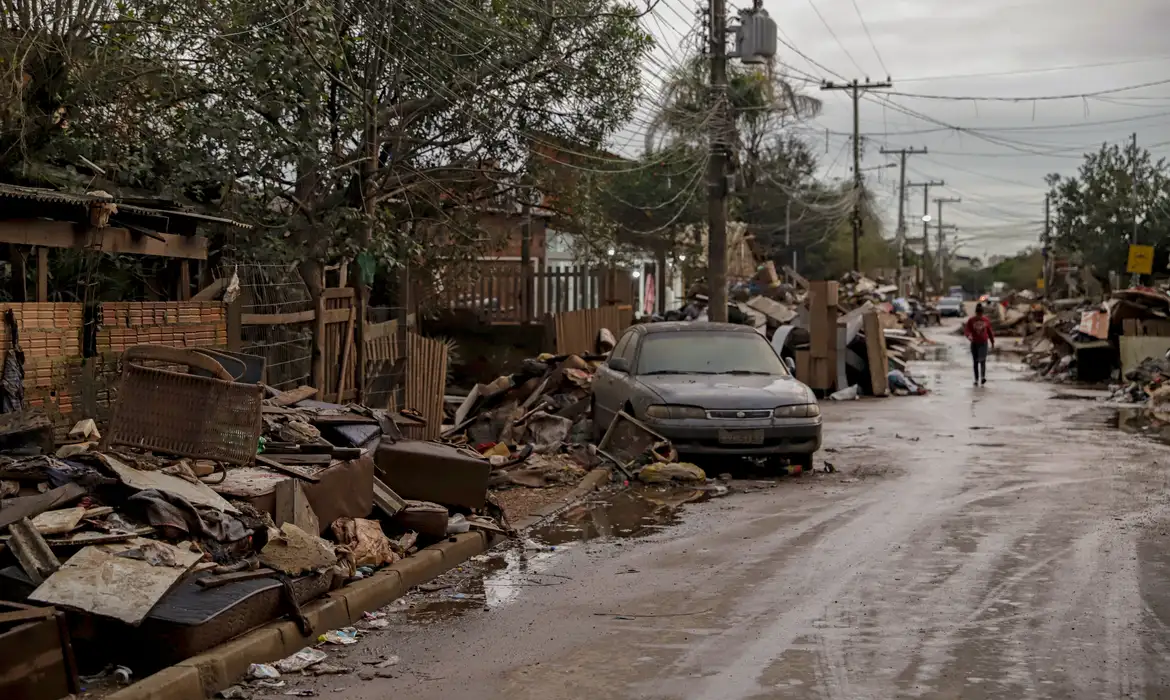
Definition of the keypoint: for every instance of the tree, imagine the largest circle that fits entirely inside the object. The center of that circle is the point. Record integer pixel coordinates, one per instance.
(1093, 212)
(348, 128)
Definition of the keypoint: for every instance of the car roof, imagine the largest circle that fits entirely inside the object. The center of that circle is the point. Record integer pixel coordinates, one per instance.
(702, 326)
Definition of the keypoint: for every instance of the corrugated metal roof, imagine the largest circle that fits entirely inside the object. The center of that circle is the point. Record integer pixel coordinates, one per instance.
(37, 194)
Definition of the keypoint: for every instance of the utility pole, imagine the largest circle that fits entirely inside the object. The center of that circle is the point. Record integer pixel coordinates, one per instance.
(788, 230)
(1047, 248)
(855, 89)
(925, 225)
(900, 243)
(942, 257)
(717, 168)
(1135, 279)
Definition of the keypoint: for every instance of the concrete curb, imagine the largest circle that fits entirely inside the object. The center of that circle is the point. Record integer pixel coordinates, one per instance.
(210, 672)
(203, 675)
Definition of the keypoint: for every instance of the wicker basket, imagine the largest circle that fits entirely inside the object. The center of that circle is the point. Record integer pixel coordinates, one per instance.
(184, 414)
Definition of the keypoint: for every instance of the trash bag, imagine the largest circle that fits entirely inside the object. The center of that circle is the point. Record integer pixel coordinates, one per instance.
(660, 473)
(547, 432)
(851, 394)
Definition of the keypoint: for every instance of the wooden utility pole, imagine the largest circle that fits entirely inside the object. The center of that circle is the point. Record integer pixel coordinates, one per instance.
(942, 257)
(925, 225)
(720, 145)
(855, 90)
(1046, 248)
(900, 242)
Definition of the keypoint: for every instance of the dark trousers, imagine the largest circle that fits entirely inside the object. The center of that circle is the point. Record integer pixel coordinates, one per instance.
(979, 355)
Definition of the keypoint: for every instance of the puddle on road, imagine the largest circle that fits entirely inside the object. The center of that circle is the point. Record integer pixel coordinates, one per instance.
(491, 580)
(634, 512)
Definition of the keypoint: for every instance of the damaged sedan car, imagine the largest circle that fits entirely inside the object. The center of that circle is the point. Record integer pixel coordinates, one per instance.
(711, 389)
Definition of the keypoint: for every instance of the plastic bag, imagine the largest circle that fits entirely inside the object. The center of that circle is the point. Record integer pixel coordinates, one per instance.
(659, 473)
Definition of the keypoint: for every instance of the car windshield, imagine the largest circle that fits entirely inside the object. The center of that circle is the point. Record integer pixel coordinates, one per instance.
(709, 353)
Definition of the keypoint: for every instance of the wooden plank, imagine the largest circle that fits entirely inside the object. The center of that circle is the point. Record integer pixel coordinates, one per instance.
(338, 293)
(30, 549)
(117, 580)
(288, 398)
(184, 281)
(278, 319)
(292, 506)
(58, 522)
(64, 234)
(386, 500)
(211, 291)
(346, 348)
(35, 505)
(42, 274)
(318, 362)
(879, 361)
(276, 466)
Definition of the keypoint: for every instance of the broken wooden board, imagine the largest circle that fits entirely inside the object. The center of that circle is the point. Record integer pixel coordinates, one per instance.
(118, 580)
(197, 494)
(35, 505)
(58, 522)
(292, 506)
(386, 500)
(288, 398)
(879, 361)
(35, 557)
(283, 468)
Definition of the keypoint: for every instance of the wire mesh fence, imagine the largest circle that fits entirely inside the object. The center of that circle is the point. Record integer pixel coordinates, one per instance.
(287, 348)
(385, 358)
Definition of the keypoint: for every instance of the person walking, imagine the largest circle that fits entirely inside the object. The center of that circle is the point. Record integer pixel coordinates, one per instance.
(979, 334)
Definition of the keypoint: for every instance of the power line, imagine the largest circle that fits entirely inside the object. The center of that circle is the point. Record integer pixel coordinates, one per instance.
(873, 45)
(1033, 71)
(833, 34)
(1034, 98)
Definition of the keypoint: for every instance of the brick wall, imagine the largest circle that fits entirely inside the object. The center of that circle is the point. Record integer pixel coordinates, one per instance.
(69, 388)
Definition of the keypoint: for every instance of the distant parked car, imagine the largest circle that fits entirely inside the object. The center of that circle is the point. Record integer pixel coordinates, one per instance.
(712, 389)
(951, 306)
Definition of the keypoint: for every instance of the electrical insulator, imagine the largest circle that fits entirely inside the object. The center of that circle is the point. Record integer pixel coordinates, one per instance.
(755, 37)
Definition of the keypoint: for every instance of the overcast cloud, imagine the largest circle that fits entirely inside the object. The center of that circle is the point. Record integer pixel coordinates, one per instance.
(943, 48)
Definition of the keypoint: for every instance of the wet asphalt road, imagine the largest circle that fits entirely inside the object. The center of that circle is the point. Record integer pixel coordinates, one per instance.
(974, 543)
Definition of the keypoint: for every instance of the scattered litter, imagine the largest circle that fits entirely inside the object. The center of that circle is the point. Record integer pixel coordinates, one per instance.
(676, 471)
(301, 660)
(262, 672)
(388, 662)
(326, 669)
(234, 692)
(345, 635)
(851, 394)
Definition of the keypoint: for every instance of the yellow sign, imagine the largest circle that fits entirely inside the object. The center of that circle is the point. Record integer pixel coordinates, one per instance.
(1039, 283)
(1141, 260)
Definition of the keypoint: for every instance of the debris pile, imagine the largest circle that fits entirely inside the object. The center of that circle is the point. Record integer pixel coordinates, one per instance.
(209, 506)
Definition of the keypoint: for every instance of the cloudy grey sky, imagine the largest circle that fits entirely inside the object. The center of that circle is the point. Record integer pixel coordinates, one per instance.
(995, 48)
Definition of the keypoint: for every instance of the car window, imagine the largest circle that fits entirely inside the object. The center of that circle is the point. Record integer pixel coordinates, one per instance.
(622, 346)
(708, 353)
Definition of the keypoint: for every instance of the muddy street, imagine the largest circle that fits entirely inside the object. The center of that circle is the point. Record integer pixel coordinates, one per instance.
(972, 543)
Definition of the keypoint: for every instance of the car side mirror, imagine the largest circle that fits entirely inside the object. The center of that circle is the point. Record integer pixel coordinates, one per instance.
(791, 363)
(619, 364)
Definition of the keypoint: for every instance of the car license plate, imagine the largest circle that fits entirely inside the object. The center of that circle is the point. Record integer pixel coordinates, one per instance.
(741, 437)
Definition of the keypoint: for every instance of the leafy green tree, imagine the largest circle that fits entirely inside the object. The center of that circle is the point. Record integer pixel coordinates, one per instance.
(1093, 212)
(348, 128)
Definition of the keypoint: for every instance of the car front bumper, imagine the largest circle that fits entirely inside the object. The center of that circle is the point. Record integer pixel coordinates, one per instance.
(786, 436)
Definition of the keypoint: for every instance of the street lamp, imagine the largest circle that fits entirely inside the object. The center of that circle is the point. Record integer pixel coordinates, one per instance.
(926, 218)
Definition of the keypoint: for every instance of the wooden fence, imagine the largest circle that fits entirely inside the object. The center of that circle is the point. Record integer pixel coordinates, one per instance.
(504, 293)
(576, 331)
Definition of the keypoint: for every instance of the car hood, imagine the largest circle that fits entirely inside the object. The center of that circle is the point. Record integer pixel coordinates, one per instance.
(728, 391)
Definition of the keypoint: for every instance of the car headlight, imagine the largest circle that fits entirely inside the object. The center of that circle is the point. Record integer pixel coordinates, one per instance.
(804, 410)
(675, 412)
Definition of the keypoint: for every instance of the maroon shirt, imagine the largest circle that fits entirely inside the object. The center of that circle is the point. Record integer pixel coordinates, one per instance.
(978, 330)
